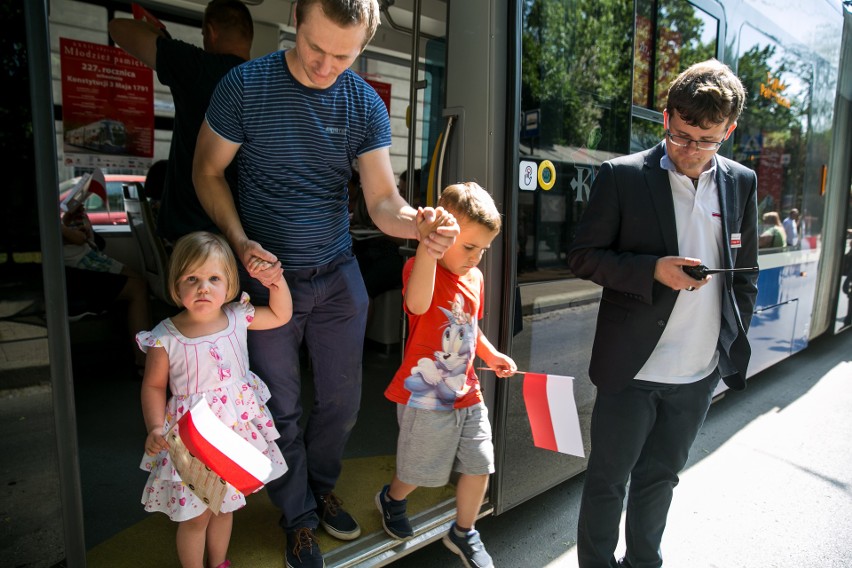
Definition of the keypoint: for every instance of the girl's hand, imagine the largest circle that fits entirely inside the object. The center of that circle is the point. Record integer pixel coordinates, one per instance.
(156, 442)
(259, 262)
(269, 274)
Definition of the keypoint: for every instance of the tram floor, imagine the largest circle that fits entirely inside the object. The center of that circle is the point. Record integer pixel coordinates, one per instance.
(111, 435)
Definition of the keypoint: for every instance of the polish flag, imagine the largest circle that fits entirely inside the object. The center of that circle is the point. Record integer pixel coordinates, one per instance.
(222, 450)
(140, 13)
(553, 413)
(97, 184)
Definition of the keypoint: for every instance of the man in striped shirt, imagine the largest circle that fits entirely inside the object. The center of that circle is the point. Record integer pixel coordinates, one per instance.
(299, 118)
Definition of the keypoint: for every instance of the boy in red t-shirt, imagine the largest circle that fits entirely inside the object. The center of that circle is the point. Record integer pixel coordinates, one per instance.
(442, 418)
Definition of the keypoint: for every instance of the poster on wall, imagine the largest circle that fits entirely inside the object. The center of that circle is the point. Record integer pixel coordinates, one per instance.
(382, 88)
(107, 107)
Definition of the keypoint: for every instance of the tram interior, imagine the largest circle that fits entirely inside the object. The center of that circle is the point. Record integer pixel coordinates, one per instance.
(106, 383)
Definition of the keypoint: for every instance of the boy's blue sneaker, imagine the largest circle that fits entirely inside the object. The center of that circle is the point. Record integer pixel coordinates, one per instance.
(469, 548)
(303, 549)
(393, 515)
(334, 519)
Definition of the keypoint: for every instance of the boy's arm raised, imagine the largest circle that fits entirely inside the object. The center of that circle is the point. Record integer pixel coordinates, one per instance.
(421, 283)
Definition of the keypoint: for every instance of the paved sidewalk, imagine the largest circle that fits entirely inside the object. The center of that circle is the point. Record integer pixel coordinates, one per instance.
(768, 483)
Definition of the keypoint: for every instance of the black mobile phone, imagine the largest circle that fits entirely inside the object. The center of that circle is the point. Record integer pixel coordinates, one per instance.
(700, 272)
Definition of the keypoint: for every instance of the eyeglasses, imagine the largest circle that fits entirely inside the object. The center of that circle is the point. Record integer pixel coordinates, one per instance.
(684, 142)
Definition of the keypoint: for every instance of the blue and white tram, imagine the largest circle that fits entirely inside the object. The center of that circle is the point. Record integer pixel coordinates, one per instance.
(528, 97)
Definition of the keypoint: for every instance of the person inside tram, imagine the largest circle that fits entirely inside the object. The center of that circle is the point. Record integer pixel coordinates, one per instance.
(155, 183)
(304, 183)
(443, 421)
(791, 227)
(773, 236)
(191, 73)
(94, 281)
(663, 338)
(378, 255)
(416, 197)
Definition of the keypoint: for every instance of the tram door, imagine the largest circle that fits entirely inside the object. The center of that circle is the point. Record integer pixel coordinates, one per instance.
(531, 135)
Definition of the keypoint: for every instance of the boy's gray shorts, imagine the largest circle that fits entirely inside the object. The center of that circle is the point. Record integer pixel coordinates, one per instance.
(434, 443)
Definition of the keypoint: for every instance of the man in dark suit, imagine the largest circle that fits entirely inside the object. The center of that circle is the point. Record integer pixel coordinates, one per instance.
(663, 338)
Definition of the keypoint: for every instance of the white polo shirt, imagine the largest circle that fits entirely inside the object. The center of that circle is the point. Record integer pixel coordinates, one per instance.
(687, 351)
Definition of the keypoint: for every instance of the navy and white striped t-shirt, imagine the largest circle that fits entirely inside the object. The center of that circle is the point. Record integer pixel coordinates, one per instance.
(298, 145)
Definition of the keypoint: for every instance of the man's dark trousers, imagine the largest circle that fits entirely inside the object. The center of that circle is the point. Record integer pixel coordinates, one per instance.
(644, 432)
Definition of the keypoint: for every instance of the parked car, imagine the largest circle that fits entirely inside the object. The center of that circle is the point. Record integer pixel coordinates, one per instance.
(111, 212)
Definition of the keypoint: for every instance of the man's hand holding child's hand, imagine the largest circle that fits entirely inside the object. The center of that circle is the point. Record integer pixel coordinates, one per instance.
(437, 230)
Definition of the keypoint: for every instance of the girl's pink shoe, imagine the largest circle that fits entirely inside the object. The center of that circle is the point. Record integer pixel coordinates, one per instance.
(225, 564)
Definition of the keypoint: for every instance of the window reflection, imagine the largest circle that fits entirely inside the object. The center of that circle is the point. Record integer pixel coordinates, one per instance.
(574, 77)
(772, 138)
(683, 35)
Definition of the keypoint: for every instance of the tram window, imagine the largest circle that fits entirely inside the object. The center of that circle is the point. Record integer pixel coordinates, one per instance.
(772, 135)
(670, 36)
(573, 81)
(645, 133)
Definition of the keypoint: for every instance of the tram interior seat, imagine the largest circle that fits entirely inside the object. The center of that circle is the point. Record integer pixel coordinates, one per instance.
(385, 326)
(151, 249)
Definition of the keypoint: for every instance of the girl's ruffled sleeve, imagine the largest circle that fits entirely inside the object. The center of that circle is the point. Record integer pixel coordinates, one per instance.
(146, 339)
(246, 307)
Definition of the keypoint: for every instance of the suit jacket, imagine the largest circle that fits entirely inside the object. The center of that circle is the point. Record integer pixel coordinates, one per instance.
(628, 224)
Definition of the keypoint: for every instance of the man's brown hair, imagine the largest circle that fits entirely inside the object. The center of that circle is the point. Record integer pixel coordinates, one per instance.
(707, 94)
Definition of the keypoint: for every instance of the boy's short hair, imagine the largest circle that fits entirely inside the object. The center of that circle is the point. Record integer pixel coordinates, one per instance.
(194, 249)
(707, 94)
(471, 201)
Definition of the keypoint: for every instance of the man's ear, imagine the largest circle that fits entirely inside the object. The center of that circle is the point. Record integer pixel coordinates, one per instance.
(666, 118)
(730, 131)
(211, 34)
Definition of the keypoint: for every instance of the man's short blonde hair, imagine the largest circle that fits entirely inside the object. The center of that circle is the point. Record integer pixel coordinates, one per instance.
(193, 250)
(345, 13)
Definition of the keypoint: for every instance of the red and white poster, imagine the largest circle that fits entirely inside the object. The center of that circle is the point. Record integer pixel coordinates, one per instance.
(383, 89)
(107, 106)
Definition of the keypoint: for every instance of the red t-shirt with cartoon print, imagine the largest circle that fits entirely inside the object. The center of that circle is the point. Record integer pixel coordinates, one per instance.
(437, 371)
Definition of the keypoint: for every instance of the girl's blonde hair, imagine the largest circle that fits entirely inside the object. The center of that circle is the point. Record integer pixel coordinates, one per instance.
(471, 201)
(193, 250)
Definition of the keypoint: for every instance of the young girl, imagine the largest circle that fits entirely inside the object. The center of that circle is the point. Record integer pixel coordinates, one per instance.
(201, 353)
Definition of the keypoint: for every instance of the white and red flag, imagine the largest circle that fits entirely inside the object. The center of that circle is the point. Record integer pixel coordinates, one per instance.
(222, 450)
(97, 185)
(553, 413)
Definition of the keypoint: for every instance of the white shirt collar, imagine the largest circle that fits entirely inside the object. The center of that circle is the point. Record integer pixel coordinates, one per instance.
(667, 164)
